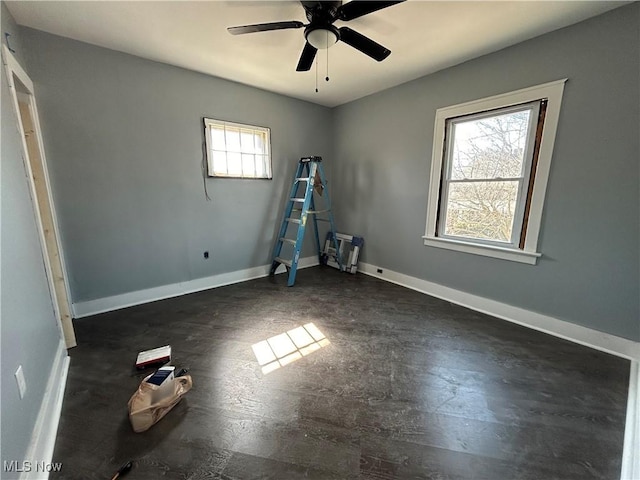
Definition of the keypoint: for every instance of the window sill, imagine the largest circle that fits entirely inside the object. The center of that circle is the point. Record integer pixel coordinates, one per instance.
(511, 254)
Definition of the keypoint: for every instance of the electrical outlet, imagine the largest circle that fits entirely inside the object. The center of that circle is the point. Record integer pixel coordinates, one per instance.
(22, 384)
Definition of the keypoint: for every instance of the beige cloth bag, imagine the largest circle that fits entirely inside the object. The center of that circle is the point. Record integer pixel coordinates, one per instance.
(145, 409)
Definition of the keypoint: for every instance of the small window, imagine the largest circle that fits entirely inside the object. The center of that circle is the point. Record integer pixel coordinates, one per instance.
(489, 172)
(236, 150)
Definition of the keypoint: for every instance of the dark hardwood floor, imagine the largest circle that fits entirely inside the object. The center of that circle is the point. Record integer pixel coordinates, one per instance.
(409, 387)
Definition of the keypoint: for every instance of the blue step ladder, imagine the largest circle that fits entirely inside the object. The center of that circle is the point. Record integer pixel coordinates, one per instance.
(309, 178)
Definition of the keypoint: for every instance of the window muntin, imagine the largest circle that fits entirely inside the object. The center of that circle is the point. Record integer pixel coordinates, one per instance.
(236, 150)
(485, 180)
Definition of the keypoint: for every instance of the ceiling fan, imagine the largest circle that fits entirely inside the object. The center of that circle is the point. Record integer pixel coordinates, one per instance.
(320, 33)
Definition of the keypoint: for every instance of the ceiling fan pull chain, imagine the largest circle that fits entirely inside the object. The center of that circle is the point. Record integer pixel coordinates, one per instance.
(316, 74)
(327, 77)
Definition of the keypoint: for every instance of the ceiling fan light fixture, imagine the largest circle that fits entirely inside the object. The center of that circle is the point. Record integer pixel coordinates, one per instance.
(322, 37)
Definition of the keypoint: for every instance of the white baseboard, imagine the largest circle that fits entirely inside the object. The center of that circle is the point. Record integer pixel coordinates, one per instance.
(116, 302)
(605, 342)
(630, 454)
(43, 437)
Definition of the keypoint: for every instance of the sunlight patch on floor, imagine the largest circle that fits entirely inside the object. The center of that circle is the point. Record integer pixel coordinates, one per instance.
(283, 349)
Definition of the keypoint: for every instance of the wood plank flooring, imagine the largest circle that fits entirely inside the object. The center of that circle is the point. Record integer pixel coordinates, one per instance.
(409, 387)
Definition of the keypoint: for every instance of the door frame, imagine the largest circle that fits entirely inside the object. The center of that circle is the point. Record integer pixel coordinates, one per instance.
(49, 240)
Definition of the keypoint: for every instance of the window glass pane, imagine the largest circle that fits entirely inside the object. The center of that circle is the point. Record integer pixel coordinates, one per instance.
(482, 210)
(246, 141)
(260, 167)
(234, 163)
(233, 139)
(490, 147)
(219, 163)
(248, 162)
(217, 138)
(260, 142)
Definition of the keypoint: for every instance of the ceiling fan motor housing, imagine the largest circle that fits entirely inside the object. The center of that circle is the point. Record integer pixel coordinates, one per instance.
(321, 12)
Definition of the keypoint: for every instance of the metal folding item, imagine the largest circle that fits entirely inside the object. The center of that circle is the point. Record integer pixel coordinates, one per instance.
(348, 250)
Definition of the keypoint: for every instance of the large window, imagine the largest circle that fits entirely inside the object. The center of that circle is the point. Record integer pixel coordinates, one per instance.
(489, 172)
(236, 150)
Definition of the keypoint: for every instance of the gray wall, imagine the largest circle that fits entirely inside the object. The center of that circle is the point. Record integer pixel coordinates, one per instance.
(29, 335)
(589, 270)
(124, 143)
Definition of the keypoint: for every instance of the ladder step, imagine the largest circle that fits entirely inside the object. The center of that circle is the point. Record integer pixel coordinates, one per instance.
(288, 240)
(303, 179)
(288, 263)
(299, 200)
(293, 220)
(310, 211)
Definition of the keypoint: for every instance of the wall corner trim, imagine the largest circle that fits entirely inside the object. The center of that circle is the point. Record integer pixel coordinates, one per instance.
(43, 437)
(116, 302)
(605, 342)
(630, 458)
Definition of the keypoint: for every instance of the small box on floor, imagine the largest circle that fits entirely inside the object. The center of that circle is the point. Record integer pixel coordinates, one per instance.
(156, 357)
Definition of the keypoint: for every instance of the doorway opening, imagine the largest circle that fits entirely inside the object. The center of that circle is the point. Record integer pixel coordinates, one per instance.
(24, 101)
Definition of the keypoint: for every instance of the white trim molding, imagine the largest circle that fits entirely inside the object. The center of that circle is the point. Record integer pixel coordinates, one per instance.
(631, 452)
(116, 302)
(589, 337)
(43, 437)
(552, 92)
(486, 250)
(49, 236)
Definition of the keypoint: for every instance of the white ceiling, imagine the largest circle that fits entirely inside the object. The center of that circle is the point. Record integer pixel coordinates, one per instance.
(423, 36)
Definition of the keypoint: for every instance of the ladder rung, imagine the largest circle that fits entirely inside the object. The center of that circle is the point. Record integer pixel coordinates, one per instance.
(288, 240)
(294, 220)
(303, 179)
(283, 261)
(317, 211)
(294, 199)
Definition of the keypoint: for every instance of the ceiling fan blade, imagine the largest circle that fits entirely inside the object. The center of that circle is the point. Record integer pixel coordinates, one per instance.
(264, 27)
(358, 8)
(364, 44)
(306, 58)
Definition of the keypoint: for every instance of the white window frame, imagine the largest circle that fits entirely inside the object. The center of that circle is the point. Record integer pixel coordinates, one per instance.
(552, 92)
(523, 181)
(210, 123)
